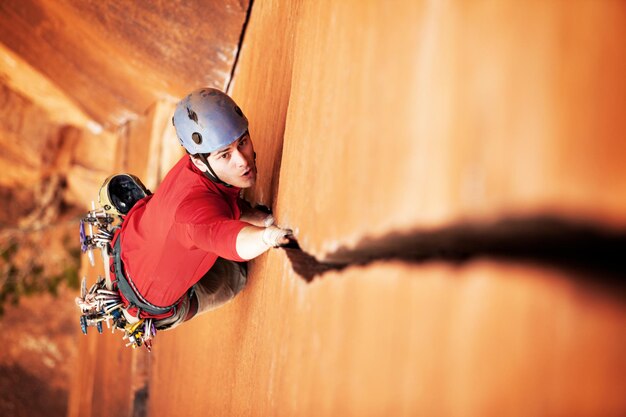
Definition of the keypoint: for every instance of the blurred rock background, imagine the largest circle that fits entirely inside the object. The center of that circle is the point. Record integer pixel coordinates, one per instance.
(85, 88)
(39, 260)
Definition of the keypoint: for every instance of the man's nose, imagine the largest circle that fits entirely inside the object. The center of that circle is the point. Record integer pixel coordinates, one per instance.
(239, 158)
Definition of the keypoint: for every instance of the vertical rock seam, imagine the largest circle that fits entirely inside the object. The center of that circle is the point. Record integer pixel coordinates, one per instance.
(239, 45)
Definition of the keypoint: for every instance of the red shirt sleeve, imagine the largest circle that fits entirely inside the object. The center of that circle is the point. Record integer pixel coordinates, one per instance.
(207, 222)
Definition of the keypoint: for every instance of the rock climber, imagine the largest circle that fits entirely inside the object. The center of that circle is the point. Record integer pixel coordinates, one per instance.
(182, 250)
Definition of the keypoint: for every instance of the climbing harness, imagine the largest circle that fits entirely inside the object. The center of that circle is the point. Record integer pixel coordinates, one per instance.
(132, 295)
(103, 302)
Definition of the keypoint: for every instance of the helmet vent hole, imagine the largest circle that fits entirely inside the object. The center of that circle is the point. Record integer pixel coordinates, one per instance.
(197, 138)
(238, 110)
(192, 115)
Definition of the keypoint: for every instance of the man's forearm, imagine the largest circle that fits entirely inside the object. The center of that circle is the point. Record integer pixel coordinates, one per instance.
(250, 242)
(253, 241)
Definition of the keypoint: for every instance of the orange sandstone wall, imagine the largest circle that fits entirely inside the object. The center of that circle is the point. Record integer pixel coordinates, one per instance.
(370, 119)
(426, 113)
(394, 339)
(419, 116)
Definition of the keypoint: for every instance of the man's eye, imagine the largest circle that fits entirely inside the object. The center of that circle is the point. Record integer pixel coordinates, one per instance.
(225, 155)
(242, 142)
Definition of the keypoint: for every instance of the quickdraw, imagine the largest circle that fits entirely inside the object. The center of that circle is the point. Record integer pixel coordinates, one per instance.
(101, 238)
(140, 333)
(103, 303)
(99, 305)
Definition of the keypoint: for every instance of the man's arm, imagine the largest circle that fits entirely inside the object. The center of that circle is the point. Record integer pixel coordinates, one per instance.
(253, 240)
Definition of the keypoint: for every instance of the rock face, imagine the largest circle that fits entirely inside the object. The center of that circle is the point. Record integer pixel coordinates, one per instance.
(115, 60)
(39, 351)
(39, 262)
(86, 90)
(30, 141)
(464, 131)
(447, 115)
(453, 160)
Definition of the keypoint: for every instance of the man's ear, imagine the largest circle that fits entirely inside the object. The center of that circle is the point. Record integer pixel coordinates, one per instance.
(198, 163)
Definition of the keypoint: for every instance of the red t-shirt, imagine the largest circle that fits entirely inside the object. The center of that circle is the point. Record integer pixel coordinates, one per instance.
(172, 238)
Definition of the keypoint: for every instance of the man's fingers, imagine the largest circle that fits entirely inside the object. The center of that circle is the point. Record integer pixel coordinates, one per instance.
(275, 236)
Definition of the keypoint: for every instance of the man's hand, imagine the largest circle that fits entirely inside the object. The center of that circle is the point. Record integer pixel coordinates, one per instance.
(253, 241)
(275, 236)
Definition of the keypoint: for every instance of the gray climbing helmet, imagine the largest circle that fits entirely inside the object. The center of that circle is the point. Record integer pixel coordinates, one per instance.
(207, 120)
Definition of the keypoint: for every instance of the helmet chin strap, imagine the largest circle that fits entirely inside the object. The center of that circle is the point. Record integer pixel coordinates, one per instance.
(211, 174)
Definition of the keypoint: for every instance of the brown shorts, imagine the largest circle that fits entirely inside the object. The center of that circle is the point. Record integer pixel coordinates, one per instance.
(218, 286)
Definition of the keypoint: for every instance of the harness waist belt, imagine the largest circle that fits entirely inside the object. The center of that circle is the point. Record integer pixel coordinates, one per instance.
(127, 288)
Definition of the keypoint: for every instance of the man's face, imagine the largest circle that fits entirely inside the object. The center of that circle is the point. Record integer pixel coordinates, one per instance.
(235, 164)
